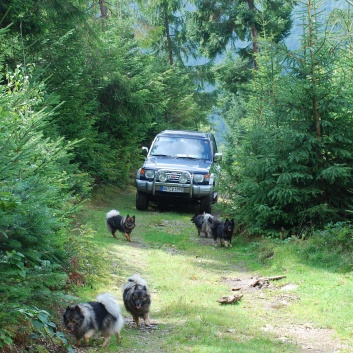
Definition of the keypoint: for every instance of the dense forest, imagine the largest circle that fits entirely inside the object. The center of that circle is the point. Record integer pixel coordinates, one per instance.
(85, 84)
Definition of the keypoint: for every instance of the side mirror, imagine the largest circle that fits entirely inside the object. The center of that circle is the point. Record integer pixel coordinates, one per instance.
(144, 151)
(217, 157)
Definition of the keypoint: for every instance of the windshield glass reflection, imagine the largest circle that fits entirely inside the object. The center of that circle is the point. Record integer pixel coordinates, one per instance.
(177, 147)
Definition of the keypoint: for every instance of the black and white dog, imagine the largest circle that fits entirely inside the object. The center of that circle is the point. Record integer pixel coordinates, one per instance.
(137, 299)
(203, 223)
(101, 316)
(115, 222)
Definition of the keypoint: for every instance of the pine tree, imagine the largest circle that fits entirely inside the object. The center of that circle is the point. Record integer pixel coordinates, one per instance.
(216, 24)
(293, 165)
(37, 197)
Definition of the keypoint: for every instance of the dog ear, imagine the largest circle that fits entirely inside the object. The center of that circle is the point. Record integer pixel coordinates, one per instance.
(133, 217)
(127, 216)
(78, 309)
(67, 311)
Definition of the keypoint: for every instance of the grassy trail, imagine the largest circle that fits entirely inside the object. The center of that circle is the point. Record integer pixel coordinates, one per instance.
(187, 274)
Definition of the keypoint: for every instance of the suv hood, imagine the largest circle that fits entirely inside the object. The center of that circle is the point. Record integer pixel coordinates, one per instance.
(187, 164)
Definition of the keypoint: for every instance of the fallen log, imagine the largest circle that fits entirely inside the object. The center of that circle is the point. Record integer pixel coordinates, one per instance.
(236, 289)
(264, 281)
(230, 299)
(275, 278)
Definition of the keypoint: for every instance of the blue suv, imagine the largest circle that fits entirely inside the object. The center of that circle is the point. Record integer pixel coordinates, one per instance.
(180, 166)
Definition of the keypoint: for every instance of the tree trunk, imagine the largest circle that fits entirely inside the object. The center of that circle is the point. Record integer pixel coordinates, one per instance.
(313, 72)
(254, 34)
(169, 41)
(103, 9)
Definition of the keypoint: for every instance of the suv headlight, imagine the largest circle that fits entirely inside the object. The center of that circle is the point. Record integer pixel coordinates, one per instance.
(198, 178)
(162, 176)
(183, 178)
(149, 174)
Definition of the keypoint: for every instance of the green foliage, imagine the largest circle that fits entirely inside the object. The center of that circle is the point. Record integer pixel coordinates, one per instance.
(292, 156)
(232, 72)
(43, 327)
(32, 185)
(336, 235)
(214, 24)
(84, 267)
(166, 32)
(37, 199)
(142, 95)
(114, 96)
(5, 338)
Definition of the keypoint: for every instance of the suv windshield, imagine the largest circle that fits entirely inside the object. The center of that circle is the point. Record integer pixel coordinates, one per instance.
(181, 147)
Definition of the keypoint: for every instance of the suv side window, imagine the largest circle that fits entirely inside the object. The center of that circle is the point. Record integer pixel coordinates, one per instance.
(214, 144)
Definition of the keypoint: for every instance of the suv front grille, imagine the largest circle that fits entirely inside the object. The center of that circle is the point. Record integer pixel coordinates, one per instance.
(173, 177)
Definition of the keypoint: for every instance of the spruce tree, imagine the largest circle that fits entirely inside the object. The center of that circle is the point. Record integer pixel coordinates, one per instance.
(215, 25)
(37, 198)
(293, 165)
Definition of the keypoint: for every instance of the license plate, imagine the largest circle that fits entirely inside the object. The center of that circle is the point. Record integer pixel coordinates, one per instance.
(171, 189)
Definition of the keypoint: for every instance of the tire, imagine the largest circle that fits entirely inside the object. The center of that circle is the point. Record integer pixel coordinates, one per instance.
(206, 204)
(141, 201)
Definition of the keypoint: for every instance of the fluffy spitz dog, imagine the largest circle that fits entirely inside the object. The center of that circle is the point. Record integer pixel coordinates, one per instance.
(137, 299)
(86, 319)
(203, 223)
(222, 233)
(115, 223)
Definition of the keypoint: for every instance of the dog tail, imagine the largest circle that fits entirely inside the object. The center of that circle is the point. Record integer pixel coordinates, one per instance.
(112, 213)
(113, 308)
(134, 280)
(208, 217)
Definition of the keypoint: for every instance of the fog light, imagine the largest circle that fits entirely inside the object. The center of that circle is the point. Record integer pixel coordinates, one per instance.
(183, 178)
(162, 176)
(198, 178)
(149, 174)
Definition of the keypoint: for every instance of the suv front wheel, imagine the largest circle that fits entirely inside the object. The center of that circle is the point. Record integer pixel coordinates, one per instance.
(141, 201)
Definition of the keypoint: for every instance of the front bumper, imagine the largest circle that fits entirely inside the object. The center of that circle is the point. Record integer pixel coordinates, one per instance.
(192, 191)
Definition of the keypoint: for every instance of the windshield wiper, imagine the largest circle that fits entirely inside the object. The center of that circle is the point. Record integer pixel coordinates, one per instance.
(187, 157)
(161, 155)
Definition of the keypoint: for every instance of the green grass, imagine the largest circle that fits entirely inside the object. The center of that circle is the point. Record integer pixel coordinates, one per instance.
(186, 275)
